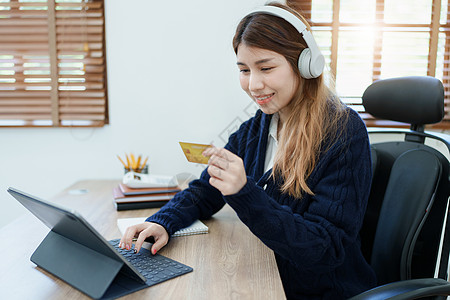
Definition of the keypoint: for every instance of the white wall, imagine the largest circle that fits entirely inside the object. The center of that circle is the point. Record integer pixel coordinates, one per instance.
(171, 77)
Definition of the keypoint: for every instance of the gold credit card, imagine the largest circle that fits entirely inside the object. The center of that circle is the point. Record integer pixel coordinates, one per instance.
(194, 152)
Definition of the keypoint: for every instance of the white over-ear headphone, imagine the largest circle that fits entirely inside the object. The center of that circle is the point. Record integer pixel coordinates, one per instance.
(311, 62)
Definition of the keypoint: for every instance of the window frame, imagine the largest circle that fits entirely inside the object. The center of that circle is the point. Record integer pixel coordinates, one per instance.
(69, 85)
(435, 27)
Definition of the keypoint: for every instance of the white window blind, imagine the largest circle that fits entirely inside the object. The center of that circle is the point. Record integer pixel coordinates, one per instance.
(52, 63)
(368, 40)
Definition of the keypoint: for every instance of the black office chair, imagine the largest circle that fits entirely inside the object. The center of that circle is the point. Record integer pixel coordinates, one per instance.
(406, 233)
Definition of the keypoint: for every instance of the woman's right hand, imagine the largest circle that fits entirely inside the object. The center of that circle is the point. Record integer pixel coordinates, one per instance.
(141, 232)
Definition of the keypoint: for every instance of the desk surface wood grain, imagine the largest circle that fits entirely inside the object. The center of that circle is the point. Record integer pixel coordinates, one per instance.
(229, 262)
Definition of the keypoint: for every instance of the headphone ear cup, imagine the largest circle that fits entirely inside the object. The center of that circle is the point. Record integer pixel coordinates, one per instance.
(304, 62)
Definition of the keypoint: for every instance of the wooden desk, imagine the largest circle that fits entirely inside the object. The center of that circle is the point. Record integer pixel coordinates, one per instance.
(229, 262)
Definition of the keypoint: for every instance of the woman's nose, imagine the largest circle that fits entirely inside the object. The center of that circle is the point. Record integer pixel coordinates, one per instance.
(255, 82)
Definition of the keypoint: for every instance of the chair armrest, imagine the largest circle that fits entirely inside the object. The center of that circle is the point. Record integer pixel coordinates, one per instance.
(407, 289)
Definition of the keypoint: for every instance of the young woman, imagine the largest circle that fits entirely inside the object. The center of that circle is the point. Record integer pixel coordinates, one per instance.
(297, 174)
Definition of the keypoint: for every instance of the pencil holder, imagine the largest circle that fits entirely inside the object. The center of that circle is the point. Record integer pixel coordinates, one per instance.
(144, 170)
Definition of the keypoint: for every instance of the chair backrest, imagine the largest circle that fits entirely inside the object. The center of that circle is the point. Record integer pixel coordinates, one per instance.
(406, 213)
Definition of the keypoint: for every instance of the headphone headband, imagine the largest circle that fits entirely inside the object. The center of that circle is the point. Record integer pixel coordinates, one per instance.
(311, 61)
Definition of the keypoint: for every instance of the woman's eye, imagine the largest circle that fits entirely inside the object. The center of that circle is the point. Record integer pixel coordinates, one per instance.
(244, 70)
(266, 69)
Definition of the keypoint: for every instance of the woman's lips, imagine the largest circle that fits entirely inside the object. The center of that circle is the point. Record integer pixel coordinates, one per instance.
(263, 99)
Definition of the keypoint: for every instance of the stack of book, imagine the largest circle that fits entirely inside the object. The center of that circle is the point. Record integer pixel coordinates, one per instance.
(138, 198)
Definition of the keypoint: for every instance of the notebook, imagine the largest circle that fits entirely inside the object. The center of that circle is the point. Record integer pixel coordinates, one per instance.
(198, 227)
(76, 253)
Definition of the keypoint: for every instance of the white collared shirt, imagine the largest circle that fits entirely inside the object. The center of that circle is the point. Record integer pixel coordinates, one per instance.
(272, 142)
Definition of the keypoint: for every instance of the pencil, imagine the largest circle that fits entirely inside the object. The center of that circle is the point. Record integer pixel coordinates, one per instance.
(128, 161)
(138, 163)
(133, 161)
(122, 162)
(143, 164)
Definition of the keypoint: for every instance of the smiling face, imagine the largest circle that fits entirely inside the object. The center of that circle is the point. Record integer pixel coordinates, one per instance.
(268, 79)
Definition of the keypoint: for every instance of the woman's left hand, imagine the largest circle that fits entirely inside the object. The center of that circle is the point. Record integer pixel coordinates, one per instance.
(226, 170)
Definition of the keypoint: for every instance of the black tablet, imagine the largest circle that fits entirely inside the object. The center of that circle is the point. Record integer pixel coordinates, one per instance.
(75, 252)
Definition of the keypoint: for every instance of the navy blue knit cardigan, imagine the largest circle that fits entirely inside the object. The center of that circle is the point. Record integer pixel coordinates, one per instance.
(315, 239)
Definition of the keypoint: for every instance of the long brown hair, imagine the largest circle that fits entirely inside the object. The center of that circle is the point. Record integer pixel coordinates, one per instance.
(315, 110)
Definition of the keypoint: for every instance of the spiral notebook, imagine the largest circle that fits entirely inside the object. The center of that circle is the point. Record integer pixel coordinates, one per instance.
(198, 227)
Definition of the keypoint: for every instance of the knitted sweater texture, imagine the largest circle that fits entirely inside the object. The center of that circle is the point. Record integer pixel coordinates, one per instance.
(315, 239)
